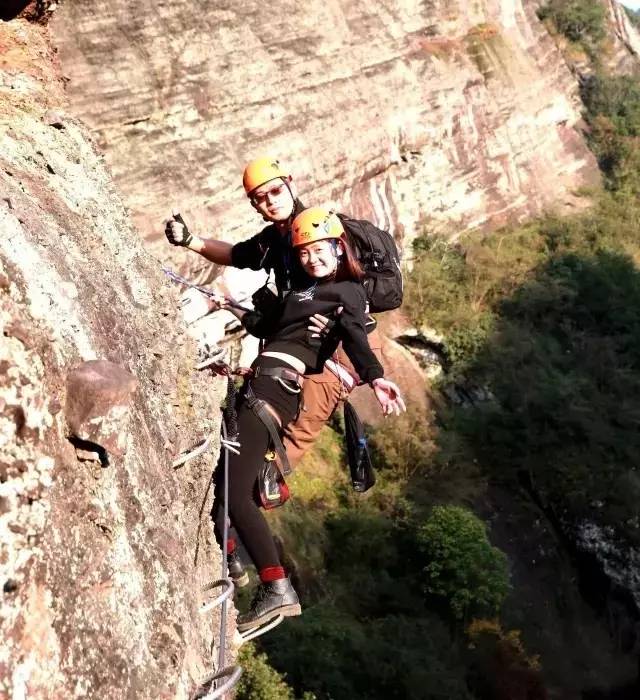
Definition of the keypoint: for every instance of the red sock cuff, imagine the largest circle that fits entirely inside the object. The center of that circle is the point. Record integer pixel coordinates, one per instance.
(272, 573)
(231, 546)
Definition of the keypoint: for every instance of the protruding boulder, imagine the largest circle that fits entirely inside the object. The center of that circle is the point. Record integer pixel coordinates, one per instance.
(99, 395)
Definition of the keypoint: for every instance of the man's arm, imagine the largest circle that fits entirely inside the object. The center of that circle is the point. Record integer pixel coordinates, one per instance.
(218, 252)
(178, 234)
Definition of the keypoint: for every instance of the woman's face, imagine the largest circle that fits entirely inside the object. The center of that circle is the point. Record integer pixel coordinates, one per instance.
(319, 259)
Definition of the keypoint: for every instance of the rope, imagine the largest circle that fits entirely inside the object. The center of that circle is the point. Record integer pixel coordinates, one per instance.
(229, 413)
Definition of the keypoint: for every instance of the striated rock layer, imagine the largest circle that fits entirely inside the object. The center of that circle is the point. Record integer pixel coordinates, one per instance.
(624, 39)
(104, 547)
(450, 114)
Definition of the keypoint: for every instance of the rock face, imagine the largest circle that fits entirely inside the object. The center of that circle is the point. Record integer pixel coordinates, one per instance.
(99, 397)
(624, 38)
(101, 565)
(411, 113)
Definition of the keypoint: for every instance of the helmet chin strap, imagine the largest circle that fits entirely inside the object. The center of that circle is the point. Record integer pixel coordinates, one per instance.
(291, 216)
(336, 257)
(289, 220)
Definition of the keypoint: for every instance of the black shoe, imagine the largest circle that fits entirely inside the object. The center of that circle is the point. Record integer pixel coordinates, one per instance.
(237, 573)
(271, 599)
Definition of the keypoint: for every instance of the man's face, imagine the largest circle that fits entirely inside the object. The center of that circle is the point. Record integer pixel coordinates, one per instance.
(273, 200)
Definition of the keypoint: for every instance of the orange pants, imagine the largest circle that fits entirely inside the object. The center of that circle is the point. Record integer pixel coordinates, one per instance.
(321, 395)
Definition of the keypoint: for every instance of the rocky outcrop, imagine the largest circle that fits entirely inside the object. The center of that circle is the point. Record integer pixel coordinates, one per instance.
(433, 113)
(101, 560)
(624, 39)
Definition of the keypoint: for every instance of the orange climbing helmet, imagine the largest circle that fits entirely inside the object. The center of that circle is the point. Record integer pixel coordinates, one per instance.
(262, 170)
(315, 224)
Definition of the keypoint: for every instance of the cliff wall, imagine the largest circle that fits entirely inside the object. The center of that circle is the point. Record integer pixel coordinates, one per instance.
(104, 546)
(448, 113)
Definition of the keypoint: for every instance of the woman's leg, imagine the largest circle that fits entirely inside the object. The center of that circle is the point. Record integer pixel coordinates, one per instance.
(245, 514)
(235, 568)
(275, 595)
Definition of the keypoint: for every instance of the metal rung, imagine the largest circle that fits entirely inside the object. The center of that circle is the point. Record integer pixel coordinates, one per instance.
(258, 631)
(194, 451)
(213, 359)
(227, 593)
(232, 672)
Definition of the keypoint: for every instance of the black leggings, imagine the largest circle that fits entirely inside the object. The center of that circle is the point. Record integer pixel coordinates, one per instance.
(244, 504)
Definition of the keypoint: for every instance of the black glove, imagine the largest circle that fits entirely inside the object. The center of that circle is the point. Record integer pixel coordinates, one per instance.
(177, 232)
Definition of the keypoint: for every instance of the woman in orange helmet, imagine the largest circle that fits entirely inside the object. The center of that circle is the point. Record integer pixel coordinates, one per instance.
(332, 279)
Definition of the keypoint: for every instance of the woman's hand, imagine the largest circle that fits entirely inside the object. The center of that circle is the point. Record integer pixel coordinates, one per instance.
(321, 326)
(216, 302)
(389, 397)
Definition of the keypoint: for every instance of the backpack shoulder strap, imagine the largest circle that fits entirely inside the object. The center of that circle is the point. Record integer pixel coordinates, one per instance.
(356, 233)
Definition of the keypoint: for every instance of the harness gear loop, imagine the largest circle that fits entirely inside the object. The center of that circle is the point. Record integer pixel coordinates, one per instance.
(296, 389)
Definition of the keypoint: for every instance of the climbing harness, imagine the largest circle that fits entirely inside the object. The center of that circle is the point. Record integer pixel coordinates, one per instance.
(259, 407)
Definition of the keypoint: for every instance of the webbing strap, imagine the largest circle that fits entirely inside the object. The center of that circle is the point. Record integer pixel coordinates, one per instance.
(259, 407)
(279, 373)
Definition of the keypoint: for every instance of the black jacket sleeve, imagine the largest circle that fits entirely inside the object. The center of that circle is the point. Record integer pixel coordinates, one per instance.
(251, 253)
(353, 333)
(258, 324)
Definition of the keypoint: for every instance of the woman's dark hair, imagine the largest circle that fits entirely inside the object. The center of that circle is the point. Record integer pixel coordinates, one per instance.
(348, 266)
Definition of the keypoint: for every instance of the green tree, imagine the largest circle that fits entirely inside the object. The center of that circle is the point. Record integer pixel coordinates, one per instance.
(581, 21)
(395, 657)
(259, 681)
(613, 112)
(463, 566)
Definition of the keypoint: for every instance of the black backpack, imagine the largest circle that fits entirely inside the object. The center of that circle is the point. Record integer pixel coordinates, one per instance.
(377, 253)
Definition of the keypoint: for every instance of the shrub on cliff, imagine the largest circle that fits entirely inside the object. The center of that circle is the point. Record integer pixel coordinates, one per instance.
(453, 287)
(581, 21)
(259, 681)
(613, 113)
(560, 356)
(564, 366)
(394, 657)
(463, 566)
(500, 666)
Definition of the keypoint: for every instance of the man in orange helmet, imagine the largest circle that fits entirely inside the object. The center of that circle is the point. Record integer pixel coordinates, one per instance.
(272, 193)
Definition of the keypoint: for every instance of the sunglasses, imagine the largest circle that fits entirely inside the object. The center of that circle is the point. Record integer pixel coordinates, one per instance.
(271, 193)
